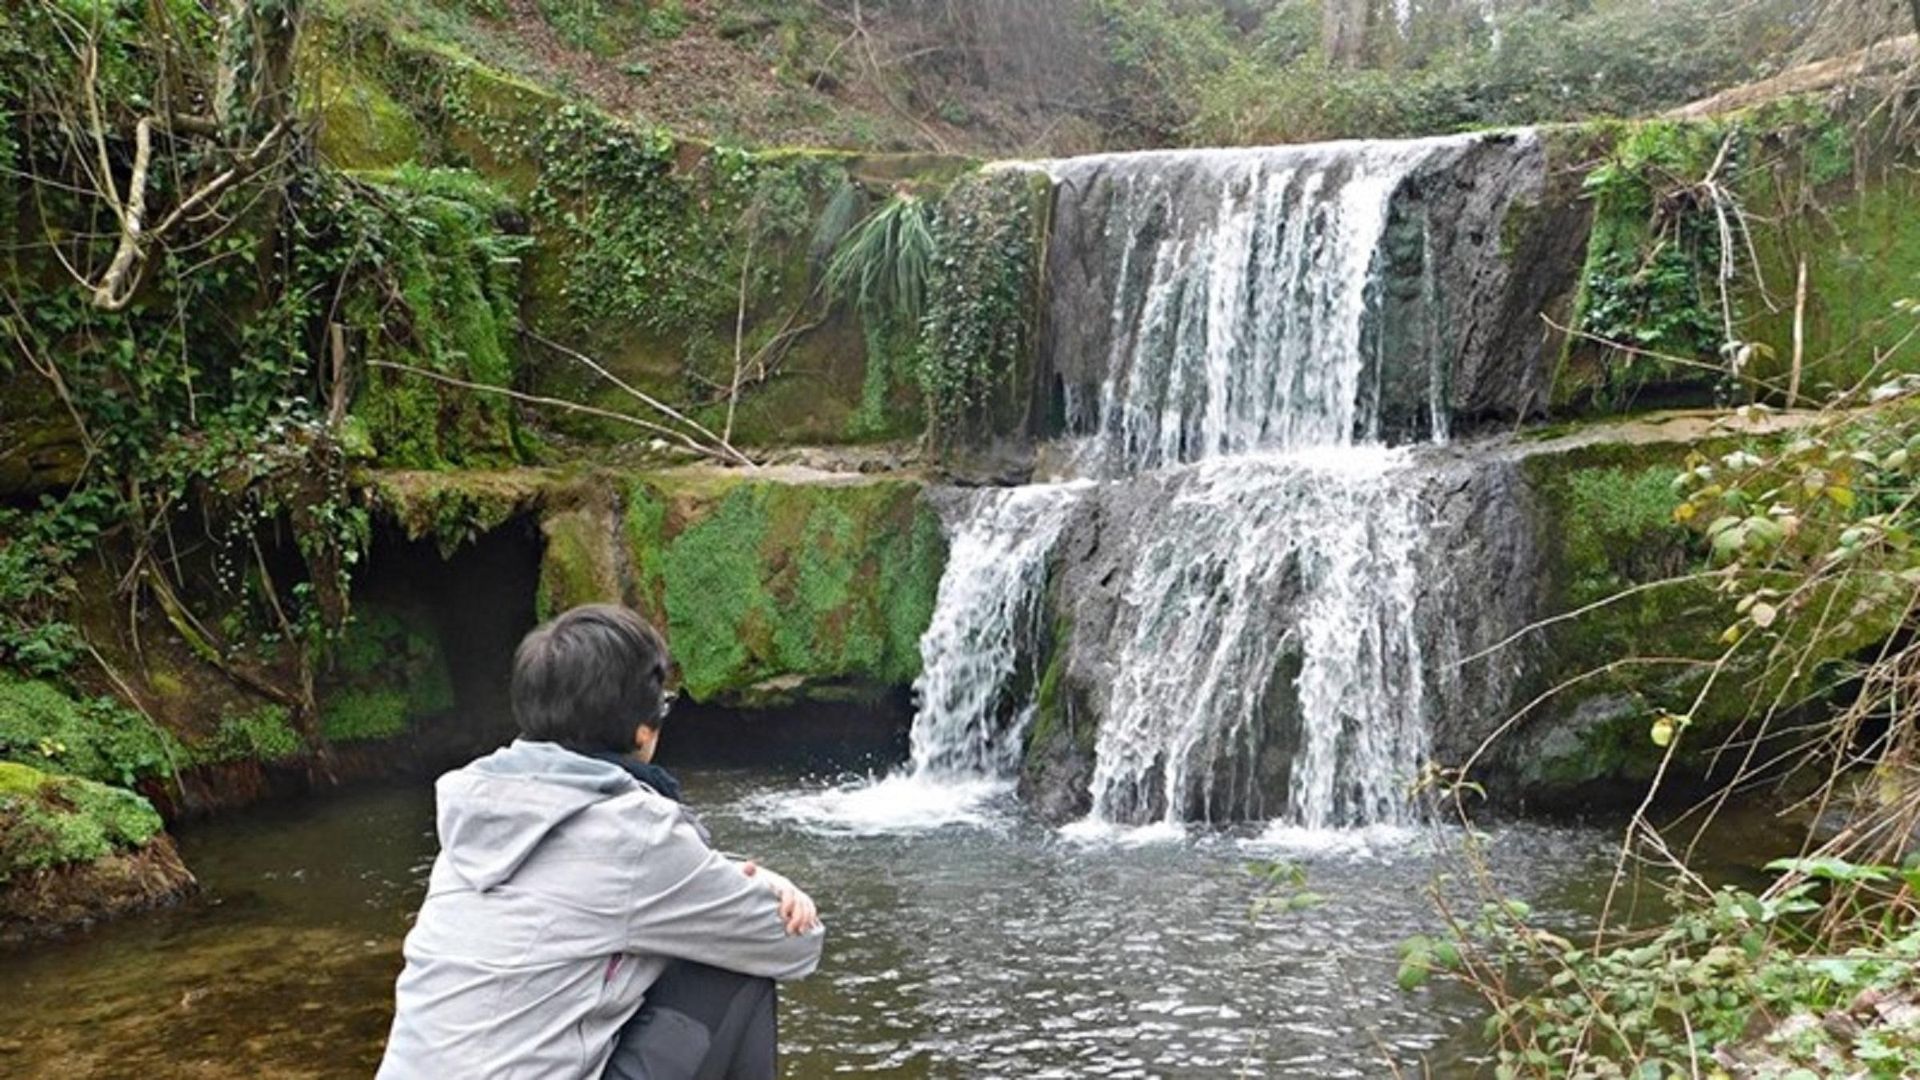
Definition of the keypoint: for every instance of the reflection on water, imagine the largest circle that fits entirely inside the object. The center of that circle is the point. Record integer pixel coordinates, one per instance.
(964, 940)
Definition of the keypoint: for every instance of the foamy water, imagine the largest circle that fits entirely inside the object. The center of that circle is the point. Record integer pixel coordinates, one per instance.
(903, 802)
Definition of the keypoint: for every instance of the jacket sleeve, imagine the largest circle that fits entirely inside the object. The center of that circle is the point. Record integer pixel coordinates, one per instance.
(695, 904)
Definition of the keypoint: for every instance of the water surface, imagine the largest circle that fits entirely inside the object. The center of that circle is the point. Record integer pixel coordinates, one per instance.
(965, 940)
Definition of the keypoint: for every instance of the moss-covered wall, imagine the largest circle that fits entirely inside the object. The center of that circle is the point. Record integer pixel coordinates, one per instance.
(1824, 181)
(769, 588)
(1638, 649)
(683, 268)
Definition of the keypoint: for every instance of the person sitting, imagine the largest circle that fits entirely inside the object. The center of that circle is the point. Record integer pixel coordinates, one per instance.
(572, 887)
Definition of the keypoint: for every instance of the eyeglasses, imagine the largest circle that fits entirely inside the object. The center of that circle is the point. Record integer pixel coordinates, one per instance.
(667, 698)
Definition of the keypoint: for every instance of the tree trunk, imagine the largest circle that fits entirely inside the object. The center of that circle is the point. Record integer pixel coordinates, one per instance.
(1914, 6)
(1343, 31)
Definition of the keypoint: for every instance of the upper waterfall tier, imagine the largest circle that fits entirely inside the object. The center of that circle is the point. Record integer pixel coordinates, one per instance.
(1213, 302)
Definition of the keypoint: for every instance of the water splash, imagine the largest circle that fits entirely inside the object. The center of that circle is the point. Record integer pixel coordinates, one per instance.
(973, 707)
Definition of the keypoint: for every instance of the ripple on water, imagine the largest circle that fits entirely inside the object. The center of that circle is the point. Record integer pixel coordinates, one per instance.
(965, 940)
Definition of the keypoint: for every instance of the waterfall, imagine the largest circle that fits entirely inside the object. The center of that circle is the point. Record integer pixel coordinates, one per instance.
(986, 618)
(1238, 336)
(1240, 292)
(1299, 570)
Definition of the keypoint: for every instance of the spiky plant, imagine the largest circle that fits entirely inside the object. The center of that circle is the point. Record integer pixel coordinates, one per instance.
(883, 264)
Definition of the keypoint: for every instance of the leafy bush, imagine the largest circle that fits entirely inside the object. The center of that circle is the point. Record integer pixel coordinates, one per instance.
(1731, 976)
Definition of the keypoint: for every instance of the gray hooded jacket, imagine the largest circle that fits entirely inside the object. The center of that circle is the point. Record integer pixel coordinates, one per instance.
(563, 888)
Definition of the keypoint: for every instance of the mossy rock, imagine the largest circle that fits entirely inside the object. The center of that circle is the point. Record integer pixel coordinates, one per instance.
(456, 507)
(581, 564)
(1640, 649)
(359, 124)
(1820, 180)
(47, 820)
(73, 851)
(760, 583)
(457, 272)
(643, 242)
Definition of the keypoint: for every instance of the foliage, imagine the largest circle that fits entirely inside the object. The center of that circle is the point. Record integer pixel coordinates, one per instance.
(48, 821)
(1811, 536)
(979, 334)
(38, 550)
(436, 239)
(388, 672)
(264, 734)
(883, 264)
(1282, 888)
(1728, 976)
(1618, 523)
(1652, 292)
(1193, 72)
(99, 739)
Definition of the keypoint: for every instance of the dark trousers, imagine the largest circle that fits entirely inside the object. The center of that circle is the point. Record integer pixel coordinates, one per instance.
(700, 1023)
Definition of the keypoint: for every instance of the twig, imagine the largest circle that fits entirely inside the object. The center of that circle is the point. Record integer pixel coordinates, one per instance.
(739, 339)
(1799, 334)
(719, 454)
(726, 449)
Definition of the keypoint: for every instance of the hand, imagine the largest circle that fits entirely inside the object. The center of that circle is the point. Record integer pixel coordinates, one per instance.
(797, 909)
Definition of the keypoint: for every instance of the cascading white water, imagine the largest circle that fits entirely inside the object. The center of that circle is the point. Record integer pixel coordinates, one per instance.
(973, 707)
(1230, 350)
(1257, 568)
(1239, 307)
(987, 613)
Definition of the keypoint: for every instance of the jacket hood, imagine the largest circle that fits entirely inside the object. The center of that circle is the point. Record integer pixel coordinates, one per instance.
(494, 812)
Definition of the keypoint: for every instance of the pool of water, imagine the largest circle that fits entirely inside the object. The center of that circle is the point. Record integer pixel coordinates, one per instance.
(965, 939)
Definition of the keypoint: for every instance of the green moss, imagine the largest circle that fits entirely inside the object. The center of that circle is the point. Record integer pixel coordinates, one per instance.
(1863, 254)
(265, 734)
(580, 562)
(456, 274)
(718, 608)
(99, 739)
(455, 508)
(388, 672)
(48, 821)
(1618, 525)
(757, 582)
(361, 126)
(1050, 720)
(645, 525)
(360, 714)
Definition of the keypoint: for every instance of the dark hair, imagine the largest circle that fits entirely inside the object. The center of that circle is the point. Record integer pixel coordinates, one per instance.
(587, 677)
